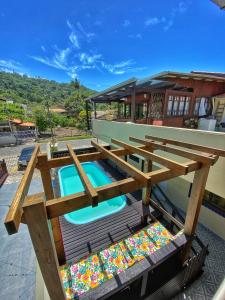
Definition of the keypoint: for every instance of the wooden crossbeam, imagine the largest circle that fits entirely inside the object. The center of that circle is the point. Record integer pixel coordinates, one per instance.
(90, 190)
(14, 215)
(67, 160)
(215, 151)
(134, 172)
(154, 157)
(60, 206)
(180, 152)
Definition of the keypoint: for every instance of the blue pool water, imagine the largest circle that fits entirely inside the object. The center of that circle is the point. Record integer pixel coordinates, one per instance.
(70, 183)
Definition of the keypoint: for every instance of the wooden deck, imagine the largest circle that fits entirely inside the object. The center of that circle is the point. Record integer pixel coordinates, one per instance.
(81, 240)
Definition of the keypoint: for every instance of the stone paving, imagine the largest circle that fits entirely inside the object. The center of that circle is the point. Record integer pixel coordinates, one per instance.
(10, 155)
(18, 264)
(17, 259)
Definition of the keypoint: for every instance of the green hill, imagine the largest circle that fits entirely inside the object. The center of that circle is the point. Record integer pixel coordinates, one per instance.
(28, 90)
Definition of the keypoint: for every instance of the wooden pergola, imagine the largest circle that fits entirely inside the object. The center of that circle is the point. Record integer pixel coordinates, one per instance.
(41, 211)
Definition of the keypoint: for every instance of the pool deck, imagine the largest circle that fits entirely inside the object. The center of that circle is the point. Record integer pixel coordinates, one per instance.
(81, 240)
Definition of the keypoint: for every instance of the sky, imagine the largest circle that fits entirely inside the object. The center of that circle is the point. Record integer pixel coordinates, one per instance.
(105, 42)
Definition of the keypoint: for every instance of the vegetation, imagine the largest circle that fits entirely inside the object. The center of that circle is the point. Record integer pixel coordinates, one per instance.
(28, 90)
(39, 94)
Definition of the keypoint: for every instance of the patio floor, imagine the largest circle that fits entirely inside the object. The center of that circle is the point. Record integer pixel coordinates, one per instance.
(17, 258)
(18, 266)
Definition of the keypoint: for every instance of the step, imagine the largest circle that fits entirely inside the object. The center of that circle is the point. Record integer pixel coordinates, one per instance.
(95, 269)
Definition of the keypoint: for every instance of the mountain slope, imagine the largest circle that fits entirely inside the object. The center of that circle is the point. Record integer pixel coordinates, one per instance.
(24, 89)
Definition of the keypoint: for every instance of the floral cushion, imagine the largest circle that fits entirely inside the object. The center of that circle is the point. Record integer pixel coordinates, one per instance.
(86, 274)
(92, 271)
(114, 261)
(159, 234)
(66, 280)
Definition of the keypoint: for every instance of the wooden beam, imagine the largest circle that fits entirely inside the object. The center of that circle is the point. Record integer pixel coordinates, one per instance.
(13, 217)
(67, 204)
(41, 236)
(63, 205)
(194, 205)
(168, 215)
(146, 191)
(195, 201)
(91, 192)
(131, 170)
(180, 152)
(215, 151)
(67, 160)
(154, 157)
(49, 194)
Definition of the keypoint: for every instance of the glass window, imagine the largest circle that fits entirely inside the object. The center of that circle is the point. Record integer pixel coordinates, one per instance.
(197, 105)
(170, 105)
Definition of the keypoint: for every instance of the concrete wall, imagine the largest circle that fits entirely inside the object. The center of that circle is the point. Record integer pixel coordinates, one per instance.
(176, 188)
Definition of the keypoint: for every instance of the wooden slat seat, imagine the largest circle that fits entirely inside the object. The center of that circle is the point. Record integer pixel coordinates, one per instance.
(97, 268)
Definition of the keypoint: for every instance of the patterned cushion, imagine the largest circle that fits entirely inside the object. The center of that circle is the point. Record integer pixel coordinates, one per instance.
(86, 274)
(66, 280)
(92, 271)
(113, 259)
(159, 234)
(140, 245)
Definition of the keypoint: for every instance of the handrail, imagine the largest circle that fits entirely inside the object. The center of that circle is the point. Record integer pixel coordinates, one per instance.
(14, 215)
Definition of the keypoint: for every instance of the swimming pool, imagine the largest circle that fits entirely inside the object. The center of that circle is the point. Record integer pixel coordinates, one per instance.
(70, 183)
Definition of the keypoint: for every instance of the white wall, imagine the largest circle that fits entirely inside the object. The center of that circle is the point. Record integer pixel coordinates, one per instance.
(178, 189)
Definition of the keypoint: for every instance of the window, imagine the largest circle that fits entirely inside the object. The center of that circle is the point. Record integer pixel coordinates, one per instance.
(202, 106)
(212, 201)
(178, 105)
(134, 158)
(197, 106)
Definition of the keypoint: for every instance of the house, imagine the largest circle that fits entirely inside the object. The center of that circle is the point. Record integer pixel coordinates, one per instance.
(58, 109)
(168, 98)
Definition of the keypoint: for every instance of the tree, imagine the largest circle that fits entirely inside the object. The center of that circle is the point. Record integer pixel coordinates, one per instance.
(41, 120)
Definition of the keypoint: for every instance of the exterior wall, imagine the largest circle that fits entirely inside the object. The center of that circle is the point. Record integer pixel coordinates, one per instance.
(106, 130)
(201, 88)
(177, 190)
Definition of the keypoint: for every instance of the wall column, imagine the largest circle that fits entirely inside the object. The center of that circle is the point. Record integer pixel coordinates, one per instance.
(133, 106)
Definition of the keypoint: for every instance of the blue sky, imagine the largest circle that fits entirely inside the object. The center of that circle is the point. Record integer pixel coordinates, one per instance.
(105, 42)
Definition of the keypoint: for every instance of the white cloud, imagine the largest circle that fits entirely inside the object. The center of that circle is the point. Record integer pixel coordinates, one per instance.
(72, 60)
(168, 21)
(89, 59)
(69, 24)
(120, 68)
(11, 64)
(135, 36)
(43, 48)
(98, 23)
(126, 23)
(180, 9)
(152, 21)
(88, 35)
(74, 40)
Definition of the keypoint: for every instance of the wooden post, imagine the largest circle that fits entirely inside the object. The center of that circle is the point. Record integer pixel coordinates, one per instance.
(125, 111)
(41, 236)
(95, 113)
(47, 185)
(133, 106)
(146, 191)
(194, 205)
(87, 115)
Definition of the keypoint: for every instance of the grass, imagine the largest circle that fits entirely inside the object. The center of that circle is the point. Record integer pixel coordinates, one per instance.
(68, 138)
(77, 137)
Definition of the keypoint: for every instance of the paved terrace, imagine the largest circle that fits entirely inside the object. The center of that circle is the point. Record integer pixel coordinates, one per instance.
(18, 265)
